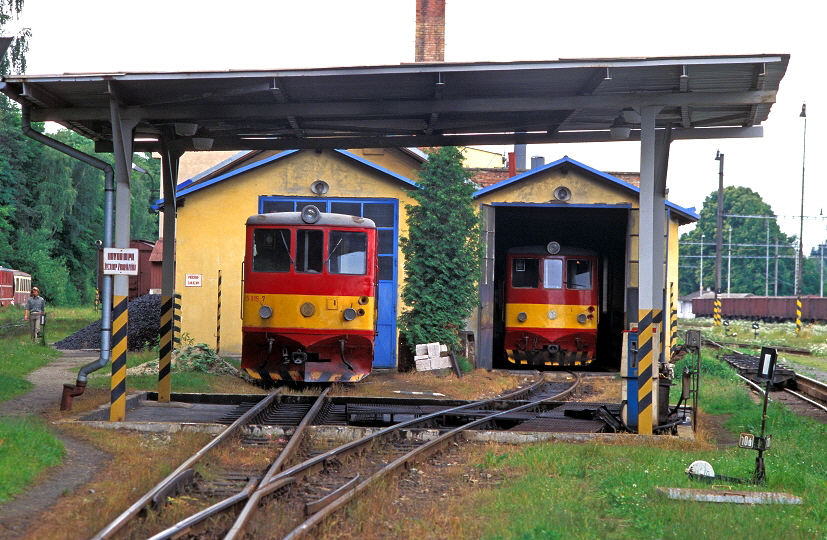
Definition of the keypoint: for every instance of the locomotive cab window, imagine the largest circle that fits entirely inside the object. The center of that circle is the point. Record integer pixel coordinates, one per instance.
(347, 252)
(525, 273)
(271, 250)
(579, 274)
(309, 251)
(553, 273)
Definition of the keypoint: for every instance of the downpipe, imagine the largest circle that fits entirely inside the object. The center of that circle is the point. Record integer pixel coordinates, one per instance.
(73, 390)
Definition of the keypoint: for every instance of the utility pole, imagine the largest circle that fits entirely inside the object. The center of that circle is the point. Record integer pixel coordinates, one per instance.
(701, 270)
(719, 241)
(729, 264)
(800, 284)
(767, 280)
(775, 285)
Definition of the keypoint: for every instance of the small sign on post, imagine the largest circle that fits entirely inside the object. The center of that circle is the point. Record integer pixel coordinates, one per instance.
(766, 364)
(192, 280)
(120, 261)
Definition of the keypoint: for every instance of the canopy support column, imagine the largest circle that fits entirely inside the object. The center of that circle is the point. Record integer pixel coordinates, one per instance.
(122, 129)
(170, 159)
(651, 272)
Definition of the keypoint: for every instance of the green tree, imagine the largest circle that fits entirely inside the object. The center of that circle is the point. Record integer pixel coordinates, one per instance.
(442, 252)
(51, 209)
(748, 255)
(15, 58)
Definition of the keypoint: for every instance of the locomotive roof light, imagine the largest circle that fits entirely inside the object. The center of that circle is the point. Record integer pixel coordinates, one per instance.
(311, 214)
(265, 312)
(553, 248)
(349, 314)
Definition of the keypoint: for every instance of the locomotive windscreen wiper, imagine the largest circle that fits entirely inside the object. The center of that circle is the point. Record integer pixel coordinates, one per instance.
(287, 248)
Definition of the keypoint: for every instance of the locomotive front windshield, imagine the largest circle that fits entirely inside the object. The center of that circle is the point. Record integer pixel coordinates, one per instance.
(346, 253)
(579, 274)
(271, 250)
(525, 274)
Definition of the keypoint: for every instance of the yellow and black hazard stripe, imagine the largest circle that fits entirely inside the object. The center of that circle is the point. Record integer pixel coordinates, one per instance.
(306, 376)
(798, 315)
(673, 320)
(165, 352)
(218, 318)
(716, 313)
(644, 373)
(117, 408)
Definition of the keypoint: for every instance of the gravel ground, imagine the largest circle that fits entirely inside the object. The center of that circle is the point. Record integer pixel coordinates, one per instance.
(81, 462)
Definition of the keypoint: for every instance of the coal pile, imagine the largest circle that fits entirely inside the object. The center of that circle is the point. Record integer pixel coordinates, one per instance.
(144, 327)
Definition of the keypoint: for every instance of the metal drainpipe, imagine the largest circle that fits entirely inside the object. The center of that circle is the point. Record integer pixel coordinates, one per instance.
(73, 390)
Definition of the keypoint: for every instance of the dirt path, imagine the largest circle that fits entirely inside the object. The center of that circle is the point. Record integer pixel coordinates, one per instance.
(81, 462)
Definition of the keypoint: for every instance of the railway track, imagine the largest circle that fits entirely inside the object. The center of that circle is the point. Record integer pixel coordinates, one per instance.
(804, 390)
(308, 482)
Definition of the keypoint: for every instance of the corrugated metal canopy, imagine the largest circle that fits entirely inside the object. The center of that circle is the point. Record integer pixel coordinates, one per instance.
(413, 104)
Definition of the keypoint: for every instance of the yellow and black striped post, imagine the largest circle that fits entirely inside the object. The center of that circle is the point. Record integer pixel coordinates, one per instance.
(218, 318)
(165, 354)
(798, 315)
(717, 311)
(673, 319)
(644, 371)
(176, 321)
(117, 409)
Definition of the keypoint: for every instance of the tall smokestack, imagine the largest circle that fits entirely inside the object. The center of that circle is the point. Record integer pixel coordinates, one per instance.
(430, 31)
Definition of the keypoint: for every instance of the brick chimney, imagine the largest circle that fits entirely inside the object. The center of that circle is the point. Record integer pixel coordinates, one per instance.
(430, 31)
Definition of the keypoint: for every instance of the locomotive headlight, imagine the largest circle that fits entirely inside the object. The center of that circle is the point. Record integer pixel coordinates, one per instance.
(582, 318)
(522, 317)
(265, 312)
(552, 314)
(307, 309)
(349, 314)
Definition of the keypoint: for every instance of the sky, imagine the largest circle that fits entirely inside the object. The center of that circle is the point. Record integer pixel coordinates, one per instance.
(99, 36)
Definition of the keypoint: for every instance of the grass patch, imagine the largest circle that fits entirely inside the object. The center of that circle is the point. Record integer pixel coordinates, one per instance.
(19, 356)
(607, 489)
(19, 463)
(27, 445)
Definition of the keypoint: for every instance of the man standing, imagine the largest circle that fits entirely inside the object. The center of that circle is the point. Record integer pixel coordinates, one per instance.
(34, 308)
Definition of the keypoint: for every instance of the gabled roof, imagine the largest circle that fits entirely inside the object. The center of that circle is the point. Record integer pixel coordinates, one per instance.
(688, 214)
(204, 180)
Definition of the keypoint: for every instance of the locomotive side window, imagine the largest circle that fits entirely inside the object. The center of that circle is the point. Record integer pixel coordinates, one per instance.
(579, 274)
(525, 274)
(553, 273)
(271, 250)
(347, 252)
(309, 254)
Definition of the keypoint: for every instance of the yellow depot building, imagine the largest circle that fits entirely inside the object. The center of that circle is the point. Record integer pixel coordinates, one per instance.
(213, 208)
(564, 201)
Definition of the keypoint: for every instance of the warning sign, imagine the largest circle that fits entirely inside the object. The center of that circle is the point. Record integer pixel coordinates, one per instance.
(120, 261)
(192, 280)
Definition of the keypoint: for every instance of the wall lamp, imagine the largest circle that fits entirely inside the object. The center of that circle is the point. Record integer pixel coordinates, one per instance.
(202, 143)
(185, 129)
(620, 129)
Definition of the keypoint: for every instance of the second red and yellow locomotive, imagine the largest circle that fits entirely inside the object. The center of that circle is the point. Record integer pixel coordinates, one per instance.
(309, 306)
(551, 305)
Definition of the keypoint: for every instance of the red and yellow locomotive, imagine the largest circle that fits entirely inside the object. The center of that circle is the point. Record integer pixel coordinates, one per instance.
(309, 306)
(551, 306)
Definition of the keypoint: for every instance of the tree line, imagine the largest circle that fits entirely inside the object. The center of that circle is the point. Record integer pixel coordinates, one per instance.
(51, 209)
(750, 260)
